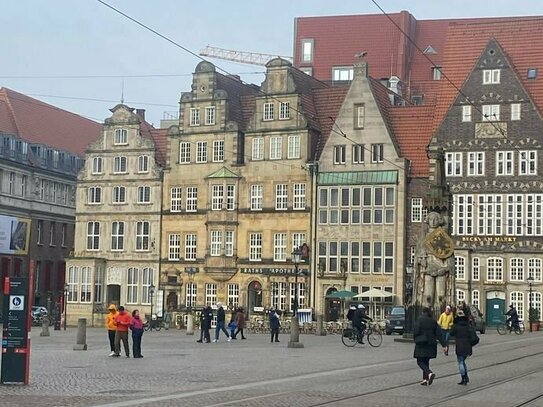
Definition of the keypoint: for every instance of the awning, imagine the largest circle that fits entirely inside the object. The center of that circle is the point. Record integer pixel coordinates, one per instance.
(358, 177)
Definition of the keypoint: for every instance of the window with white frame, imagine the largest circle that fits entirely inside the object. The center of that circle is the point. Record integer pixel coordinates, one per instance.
(97, 165)
(436, 73)
(355, 257)
(494, 269)
(255, 246)
(39, 232)
(73, 284)
(491, 76)
(460, 295)
(476, 163)
(281, 197)
(210, 116)
(504, 162)
(146, 282)
(257, 192)
(143, 163)
(342, 73)
(460, 267)
(230, 197)
(52, 234)
(339, 154)
(132, 283)
(268, 111)
(276, 148)
(377, 153)
(463, 215)
(307, 50)
(201, 152)
(280, 247)
(535, 269)
(218, 151)
(119, 165)
(184, 152)
(299, 196)
(217, 197)
(190, 246)
(229, 243)
(144, 194)
(293, 147)
(64, 235)
(174, 246)
(176, 201)
(527, 162)
(194, 116)
(536, 302)
(301, 295)
(117, 236)
(491, 113)
(466, 113)
(358, 154)
(142, 235)
(516, 298)
(475, 268)
(211, 293)
(121, 137)
(191, 294)
(359, 115)
(258, 148)
(298, 239)
(389, 257)
(99, 284)
(216, 243)
(279, 296)
(233, 295)
(119, 195)
(93, 235)
(86, 284)
(284, 110)
(476, 298)
(94, 195)
(453, 164)
(516, 269)
(192, 199)
(490, 213)
(416, 210)
(515, 214)
(515, 111)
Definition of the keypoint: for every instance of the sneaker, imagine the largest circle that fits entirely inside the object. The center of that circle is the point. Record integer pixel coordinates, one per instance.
(229, 339)
(214, 340)
(431, 378)
(424, 383)
(112, 354)
(116, 356)
(243, 338)
(199, 341)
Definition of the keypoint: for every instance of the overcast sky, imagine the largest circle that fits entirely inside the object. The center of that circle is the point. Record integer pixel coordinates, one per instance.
(85, 38)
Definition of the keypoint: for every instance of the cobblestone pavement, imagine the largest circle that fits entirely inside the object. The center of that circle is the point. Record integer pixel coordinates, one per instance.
(177, 371)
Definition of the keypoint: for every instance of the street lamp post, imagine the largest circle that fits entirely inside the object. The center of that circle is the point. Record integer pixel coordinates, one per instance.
(294, 325)
(190, 323)
(151, 293)
(66, 292)
(530, 280)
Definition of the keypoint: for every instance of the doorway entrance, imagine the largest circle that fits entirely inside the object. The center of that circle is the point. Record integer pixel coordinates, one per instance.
(495, 307)
(114, 294)
(254, 297)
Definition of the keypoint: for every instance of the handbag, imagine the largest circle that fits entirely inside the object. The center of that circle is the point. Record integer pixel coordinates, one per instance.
(473, 338)
(420, 339)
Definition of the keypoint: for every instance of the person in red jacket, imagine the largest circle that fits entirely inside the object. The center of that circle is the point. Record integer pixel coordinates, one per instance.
(121, 334)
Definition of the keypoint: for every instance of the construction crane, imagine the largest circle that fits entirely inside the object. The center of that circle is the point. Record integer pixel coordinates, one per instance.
(253, 58)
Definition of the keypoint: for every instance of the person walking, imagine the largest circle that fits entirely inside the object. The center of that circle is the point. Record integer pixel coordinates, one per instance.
(240, 322)
(206, 316)
(111, 327)
(232, 324)
(136, 325)
(122, 322)
(221, 317)
(426, 333)
(464, 334)
(275, 324)
(445, 322)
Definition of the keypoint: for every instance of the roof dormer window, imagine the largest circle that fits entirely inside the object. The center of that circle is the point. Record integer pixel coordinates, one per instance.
(532, 73)
(491, 76)
(121, 137)
(436, 70)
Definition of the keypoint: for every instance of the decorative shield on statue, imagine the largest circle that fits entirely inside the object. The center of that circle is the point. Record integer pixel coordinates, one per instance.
(440, 244)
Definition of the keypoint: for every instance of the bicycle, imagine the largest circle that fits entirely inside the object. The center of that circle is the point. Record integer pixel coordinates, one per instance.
(506, 327)
(153, 324)
(350, 337)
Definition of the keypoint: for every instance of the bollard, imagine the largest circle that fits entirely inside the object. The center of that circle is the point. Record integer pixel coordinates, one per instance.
(81, 334)
(45, 327)
(295, 333)
(190, 325)
(319, 331)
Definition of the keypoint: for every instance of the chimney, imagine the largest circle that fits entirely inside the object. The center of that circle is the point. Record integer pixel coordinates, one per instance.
(394, 85)
(141, 113)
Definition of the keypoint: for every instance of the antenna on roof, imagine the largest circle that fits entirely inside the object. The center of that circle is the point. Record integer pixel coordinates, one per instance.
(122, 93)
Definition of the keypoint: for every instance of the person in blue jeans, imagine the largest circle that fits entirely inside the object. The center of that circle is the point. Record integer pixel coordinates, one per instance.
(221, 316)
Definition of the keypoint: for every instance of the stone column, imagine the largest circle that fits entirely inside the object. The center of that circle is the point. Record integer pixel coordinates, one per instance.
(295, 333)
(320, 331)
(81, 343)
(190, 325)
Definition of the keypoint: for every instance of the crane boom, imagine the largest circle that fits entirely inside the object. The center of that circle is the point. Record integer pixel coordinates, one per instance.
(253, 58)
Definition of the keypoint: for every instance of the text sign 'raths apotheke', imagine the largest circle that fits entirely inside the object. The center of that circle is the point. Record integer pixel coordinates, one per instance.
(272, 271)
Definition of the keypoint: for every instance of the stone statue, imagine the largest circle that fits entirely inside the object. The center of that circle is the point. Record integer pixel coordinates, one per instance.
(434, 264)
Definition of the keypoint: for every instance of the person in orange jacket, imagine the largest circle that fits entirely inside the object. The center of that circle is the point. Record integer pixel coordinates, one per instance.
(122, 321)
(111, 327)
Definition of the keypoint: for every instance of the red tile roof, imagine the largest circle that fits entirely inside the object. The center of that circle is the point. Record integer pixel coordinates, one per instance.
(160, 137)
(41, 123)
(327, 102)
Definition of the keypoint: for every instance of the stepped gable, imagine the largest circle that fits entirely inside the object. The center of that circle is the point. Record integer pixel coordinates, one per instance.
(412, 126)
(40, 123)
(522, 41)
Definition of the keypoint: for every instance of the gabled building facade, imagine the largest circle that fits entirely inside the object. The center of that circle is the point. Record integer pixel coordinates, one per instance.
(117, 244)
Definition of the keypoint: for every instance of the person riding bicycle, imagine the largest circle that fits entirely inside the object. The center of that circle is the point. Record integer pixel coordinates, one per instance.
(359, 321)
(513, 317)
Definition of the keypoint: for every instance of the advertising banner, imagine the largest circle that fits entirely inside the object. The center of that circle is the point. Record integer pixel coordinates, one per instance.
(14, 235)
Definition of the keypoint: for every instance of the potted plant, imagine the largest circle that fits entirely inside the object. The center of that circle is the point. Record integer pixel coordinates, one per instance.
(533, 316)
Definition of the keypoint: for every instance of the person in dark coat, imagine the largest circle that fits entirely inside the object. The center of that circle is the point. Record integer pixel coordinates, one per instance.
(206, 316)
(221, 317)
(359, 321)
(275, 324)
(240, 322)
(426, 334)
(462, 332)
